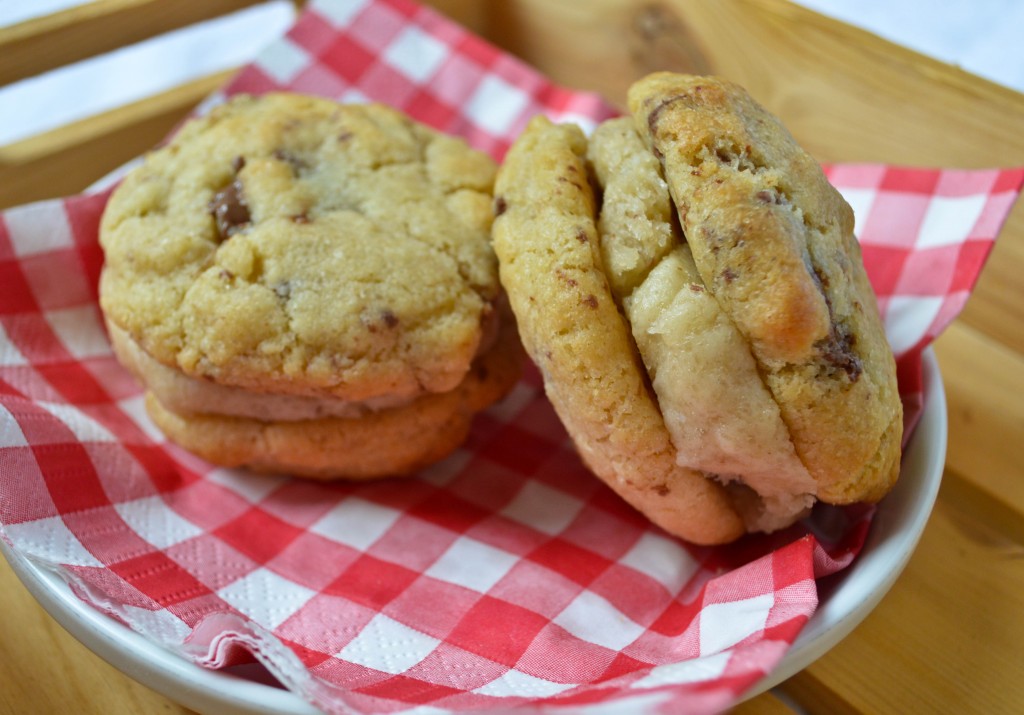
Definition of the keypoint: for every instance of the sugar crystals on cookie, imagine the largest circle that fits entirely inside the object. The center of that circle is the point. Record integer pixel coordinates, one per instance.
(309, 287)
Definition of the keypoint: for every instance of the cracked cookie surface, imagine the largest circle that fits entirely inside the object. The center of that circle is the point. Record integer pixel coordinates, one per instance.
(722, 419)
(290, 244)
(690, 286)
(551, 266)
(773, 241)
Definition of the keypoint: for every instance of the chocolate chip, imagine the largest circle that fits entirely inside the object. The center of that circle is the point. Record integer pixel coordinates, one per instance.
(500, 206)
(568, 280)
(237, 163)
(581, 236)
(229, 210)
(571, 282)
(376, 321)
(837, 350)
(696, 288)
(590, 301)
(769, 197)
(296, 163)
(729, 275)
(655, 114)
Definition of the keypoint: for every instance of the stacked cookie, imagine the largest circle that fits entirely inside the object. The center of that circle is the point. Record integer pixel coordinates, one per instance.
(309, 287)
(689, 284)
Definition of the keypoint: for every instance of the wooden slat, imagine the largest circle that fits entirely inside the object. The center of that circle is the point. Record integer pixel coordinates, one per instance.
(765, 704)
(46, 669)
(67, 160)
(96, 27)
(984, 383)
(471, 14)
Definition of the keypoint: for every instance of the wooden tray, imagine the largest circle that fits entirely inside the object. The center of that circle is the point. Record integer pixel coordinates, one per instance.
(948, 636)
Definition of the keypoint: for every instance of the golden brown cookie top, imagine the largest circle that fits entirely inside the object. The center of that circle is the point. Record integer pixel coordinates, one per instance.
(755, 197)
(547, 242)
(773, 242)
(690, 286)
(722, 419)
(287, 243)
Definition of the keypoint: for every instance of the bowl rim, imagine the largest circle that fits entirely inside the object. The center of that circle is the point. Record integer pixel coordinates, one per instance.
(895, 532)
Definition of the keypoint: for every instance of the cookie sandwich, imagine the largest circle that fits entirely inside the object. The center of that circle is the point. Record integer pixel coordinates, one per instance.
(690, 287)
(309, 287)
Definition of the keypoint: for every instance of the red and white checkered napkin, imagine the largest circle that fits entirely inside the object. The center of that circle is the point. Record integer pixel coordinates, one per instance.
(505, 575)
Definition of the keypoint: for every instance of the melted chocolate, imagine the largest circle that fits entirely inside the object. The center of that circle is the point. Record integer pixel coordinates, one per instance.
(230, 210)
(838, 351)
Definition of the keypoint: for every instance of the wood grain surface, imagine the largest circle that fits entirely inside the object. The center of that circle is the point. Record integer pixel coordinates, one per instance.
(947, 638)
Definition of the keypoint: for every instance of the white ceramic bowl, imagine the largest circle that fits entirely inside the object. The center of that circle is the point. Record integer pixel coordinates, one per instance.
(845, 599)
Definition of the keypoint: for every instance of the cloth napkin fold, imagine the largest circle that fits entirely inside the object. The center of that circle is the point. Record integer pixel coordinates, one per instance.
(504, 576)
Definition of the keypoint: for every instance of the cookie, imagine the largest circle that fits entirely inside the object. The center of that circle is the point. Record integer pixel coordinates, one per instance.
(720, 415)
(687, 278)
(286, 243)
(289, 259)
(547, 243)
(390, 441)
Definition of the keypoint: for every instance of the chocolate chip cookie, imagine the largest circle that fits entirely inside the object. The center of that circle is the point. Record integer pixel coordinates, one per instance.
(288, 259)
(717, 354)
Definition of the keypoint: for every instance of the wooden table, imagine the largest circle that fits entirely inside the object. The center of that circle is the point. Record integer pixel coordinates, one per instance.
(949, 637)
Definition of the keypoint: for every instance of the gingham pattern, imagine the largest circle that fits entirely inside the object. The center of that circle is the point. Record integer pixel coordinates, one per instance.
(503, 576)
